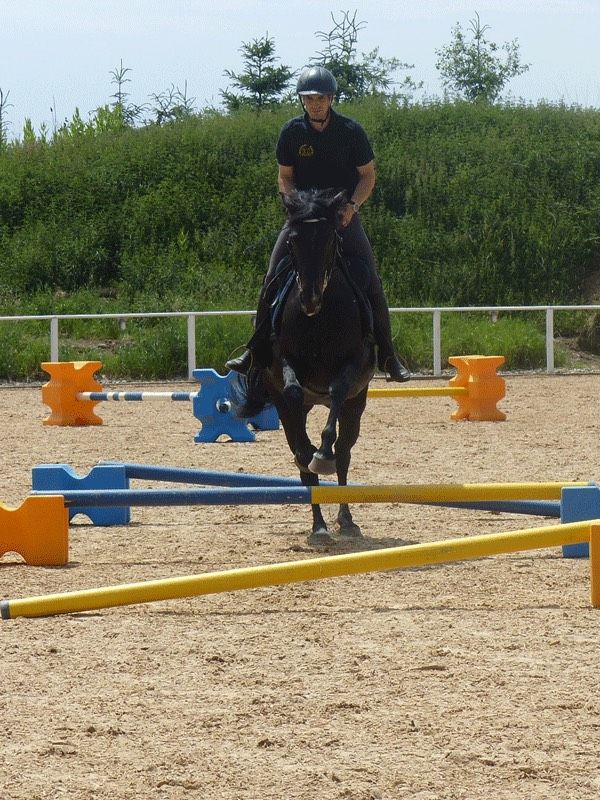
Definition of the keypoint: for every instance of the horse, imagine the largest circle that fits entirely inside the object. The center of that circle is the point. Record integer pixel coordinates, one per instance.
(323, 351)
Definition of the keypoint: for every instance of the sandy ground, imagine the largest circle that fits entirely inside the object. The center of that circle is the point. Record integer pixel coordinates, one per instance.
(472, 680)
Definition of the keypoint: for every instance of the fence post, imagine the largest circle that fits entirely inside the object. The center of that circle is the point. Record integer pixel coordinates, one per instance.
(191, 343)
(549, 340)
(54, 339)
(437, 341)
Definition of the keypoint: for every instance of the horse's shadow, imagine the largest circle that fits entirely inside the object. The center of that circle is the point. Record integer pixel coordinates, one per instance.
(342, 545)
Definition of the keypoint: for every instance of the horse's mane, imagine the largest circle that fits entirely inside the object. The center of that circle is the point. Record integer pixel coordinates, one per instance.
(313, 204)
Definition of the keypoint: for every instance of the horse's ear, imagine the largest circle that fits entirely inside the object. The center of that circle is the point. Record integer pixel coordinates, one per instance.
(285, 199)
(338, 202)
(290, 201)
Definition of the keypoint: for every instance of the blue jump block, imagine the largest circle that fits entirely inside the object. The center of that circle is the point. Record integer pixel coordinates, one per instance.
(212, 406)
(267, 420)
(60, 478)
(577, 504)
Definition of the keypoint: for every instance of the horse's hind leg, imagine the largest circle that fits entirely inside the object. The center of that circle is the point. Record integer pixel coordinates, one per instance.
(348, 435)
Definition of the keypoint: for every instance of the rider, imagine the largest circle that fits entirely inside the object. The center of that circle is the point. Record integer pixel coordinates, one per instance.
(322, 149)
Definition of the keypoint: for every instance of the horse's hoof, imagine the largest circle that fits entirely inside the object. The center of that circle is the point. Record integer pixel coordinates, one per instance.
(351, 531)
(301, 467)
(322, 466)
(320, 539)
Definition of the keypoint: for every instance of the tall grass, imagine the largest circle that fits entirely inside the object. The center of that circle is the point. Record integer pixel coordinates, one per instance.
(156, 348)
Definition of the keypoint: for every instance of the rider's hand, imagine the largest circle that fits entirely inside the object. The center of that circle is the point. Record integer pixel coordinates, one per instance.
(347, 215)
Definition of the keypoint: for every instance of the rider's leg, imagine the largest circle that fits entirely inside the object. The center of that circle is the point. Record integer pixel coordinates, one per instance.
(259, 347)
(361, 263)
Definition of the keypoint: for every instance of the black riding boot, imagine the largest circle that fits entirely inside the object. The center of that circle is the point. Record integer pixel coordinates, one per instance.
(387, 360)
(258, 352)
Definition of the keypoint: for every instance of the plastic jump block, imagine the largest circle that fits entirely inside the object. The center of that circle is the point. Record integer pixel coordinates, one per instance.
(60, 478)
(576, 505)
(67, 379)
(484, 387)
(595, 564)
(212, 406)
(38, 530)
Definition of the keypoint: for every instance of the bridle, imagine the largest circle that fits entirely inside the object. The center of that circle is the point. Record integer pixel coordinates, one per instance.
(337, 254)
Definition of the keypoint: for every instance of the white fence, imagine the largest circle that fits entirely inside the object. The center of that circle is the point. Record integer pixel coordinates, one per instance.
(192, 316)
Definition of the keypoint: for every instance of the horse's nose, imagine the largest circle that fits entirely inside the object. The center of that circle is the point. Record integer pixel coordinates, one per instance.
(311, 305)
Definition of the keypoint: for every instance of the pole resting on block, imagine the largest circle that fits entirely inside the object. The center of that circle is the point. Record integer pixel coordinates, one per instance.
(72, 393)
(576, 505)
(38, 531)
(213, 407)
(59, 478)
(484, 387)
(67, 379)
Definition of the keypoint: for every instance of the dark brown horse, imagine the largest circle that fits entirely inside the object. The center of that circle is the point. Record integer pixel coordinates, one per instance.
(323, 351)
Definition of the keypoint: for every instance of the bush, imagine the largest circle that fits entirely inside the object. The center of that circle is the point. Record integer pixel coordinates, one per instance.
(474, 205)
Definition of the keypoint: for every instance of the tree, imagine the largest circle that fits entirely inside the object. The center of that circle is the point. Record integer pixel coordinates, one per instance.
(263, 84)
(172, 105)
(371, 75)
(475, 69)
(128, 112)
(4, 104)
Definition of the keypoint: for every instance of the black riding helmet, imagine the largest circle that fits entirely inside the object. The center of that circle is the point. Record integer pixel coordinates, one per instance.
(316, 80)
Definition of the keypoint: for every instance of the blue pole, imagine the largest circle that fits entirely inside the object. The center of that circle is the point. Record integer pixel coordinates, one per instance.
(152, 472)
(275, 495)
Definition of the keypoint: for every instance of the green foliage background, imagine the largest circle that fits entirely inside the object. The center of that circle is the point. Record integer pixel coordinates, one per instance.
(474, 205)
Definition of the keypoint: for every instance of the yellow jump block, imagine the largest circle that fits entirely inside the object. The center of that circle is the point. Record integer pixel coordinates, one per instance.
(484, 387)
(67, 379)
(38, 530)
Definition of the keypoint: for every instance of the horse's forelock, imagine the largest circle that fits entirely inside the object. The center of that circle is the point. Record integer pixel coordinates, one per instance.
(312, 204)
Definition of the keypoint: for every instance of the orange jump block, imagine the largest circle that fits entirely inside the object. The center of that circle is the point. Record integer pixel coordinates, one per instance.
(67, 379)
(38, 531)
(485, 388)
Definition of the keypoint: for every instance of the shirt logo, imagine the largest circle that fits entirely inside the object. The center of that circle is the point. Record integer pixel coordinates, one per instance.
(306, 150)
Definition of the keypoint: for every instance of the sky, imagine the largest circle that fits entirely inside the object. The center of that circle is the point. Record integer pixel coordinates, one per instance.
(58, 55)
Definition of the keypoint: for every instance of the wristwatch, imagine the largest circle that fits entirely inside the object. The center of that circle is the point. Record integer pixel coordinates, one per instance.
(354, 205)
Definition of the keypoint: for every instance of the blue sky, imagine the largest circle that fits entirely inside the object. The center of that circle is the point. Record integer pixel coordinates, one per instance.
(59, 54)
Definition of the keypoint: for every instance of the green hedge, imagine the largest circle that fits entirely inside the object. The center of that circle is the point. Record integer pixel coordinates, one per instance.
(474, 205)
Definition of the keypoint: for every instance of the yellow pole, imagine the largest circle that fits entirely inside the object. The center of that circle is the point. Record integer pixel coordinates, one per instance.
(440, 492)
(297, 571)
(425, 391)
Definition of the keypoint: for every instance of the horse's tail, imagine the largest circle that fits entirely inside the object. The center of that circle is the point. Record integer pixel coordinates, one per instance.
(248, 393)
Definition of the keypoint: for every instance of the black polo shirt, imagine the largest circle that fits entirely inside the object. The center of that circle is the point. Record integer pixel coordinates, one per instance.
(324, 159)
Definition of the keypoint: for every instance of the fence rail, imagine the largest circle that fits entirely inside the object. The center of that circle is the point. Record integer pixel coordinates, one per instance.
(192, 316)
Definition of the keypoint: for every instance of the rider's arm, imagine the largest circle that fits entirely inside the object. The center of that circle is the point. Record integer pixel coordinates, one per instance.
(362, 192)
(286, 180)
(366, 183)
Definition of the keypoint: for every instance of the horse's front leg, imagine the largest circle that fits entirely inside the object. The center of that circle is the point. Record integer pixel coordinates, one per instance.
(349, 425)
(323, 461)
(319, 536)
(293, 396)
(294, 423)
